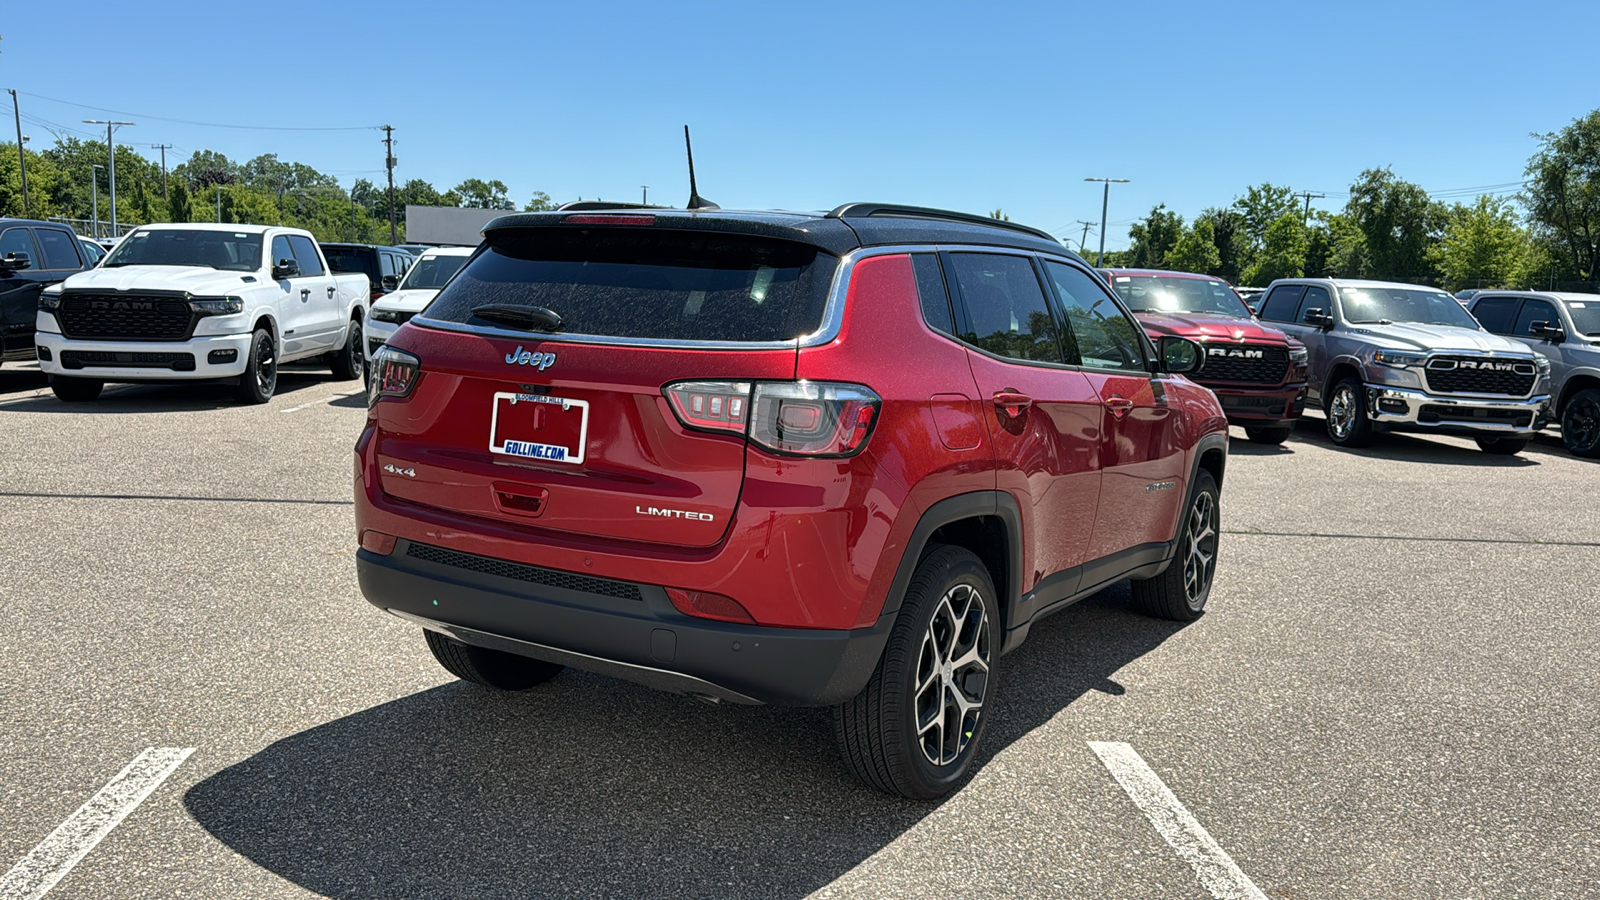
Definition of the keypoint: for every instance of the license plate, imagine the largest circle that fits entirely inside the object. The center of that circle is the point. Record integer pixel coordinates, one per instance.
(533, 426)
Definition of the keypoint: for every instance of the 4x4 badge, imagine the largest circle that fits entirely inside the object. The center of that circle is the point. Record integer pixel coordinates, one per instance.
(393, 469)
(521, 357)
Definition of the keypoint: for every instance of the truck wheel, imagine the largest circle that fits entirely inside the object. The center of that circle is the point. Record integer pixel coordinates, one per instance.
(1503, 446)
(1580, 424)
(1348, 425)
(76, 390)
(1268, 434)
(260, 376)
(351, 361)
(914, 729)
(1180, 592)
(489, 668)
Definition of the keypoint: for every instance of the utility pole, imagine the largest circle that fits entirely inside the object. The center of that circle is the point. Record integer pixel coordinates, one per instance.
(1086, 226)
(1306, 216)
(1105, 205)
(94, 194)
(645, 200)
(163, 148)
(22, 158)
(388, 163)
(219, 202)
(111, 164)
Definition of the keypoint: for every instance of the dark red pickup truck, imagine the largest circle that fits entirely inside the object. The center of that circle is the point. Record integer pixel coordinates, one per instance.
(1256, 371)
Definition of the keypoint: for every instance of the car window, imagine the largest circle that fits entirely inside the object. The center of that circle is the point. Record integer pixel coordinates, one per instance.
(1099, 334)
(1282, 303)
(1006, 312)
(1495, 313)
(305, 253)
(16, 240)
(1315, 298)
(92, 251)
(931, 291)
(60, 249)
(1534, 311)
(386, 265)
(280, 250)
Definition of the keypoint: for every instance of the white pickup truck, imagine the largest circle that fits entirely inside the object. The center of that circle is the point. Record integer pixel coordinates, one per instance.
(201, 302)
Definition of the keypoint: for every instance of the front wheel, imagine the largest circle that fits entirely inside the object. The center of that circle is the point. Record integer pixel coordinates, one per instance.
(1503, 446)
(1268, 434)
(260, 378)
(350, 361)
(1580, 424)
(76, 390)
(1180, 593)
(914, 729)
(1348, 425)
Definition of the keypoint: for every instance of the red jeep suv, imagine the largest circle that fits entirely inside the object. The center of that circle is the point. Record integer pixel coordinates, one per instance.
(841, 459)
(1258, 372)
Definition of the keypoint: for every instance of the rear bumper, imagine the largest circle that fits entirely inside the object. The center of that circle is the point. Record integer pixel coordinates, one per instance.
(626, 630)
(1404, 410)
(1257, 406)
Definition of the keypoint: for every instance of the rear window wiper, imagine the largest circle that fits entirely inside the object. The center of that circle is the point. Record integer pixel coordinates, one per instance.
(531, 318)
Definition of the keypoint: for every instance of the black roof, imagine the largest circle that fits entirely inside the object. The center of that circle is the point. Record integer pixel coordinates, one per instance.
(844, 229)
(5, 221)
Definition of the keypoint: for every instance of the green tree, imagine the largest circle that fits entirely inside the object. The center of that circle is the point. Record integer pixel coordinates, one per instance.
(1483, 245)
(1283, 252)
(1260, 208)
(1563, 193)
(1398, 224)
(43, 178)
(178, 203)
(1000, 215)
(540, 203)
(1153, 237)
(205, 168)
(1228, 235)
(475, 193)
(1196, 250)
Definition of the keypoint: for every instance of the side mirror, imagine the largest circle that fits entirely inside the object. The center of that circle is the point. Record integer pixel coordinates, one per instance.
(286, 268)
(16, 262)
(1316, 318)
(389, 282)
(1180, 356)
(1555, 334)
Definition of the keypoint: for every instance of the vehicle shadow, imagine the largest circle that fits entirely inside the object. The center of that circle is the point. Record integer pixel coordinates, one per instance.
(164, 398)
(18, 377)
(1409, 448)
(594, 787)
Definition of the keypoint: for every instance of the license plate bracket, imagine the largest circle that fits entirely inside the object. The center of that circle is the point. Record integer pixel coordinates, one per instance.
(539, 427)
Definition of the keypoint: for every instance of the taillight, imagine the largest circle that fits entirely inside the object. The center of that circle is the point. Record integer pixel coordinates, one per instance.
(394, 374)
(610, 219)
(802, 418)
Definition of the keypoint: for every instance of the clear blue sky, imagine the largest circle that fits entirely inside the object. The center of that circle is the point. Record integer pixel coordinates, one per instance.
(969, 106)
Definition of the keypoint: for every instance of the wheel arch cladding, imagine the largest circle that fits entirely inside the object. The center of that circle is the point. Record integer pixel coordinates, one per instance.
(267, 321)
(987, 523)
(1336, 374)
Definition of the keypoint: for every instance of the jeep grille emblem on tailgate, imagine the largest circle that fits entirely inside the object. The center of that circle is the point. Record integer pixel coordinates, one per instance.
(521, 357)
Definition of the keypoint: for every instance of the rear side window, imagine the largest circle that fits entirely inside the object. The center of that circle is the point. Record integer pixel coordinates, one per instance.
(1006, 311)
(16, 240)
(1282, 303)
(305, 253)
(1494, 313)
(60, 249)
(647, 283)
(350, 261)
(931, 291)
(1534, 311)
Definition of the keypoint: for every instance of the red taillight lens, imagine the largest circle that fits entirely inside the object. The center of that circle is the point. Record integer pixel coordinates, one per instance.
(394, 374)
(803, 418)
(377, 542)
(703, 605)
(630, 219)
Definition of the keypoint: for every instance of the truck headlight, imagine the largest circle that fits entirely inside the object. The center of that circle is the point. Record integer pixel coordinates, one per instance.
(385, 315)
(227, 306)
(1299, 355)
(50, 298)
(1398, 359)
(1543, 363)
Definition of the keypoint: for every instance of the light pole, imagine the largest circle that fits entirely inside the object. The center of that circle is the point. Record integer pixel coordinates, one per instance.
(1105, 204)
(111, 164)
(645, 200)
(94, 192)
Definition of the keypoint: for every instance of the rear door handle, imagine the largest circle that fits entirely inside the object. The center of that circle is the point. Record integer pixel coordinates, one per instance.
(1012, 402)
(305, 294)
(1119, 406)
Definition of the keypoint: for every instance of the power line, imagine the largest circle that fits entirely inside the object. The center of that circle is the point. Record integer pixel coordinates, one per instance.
(122, 112)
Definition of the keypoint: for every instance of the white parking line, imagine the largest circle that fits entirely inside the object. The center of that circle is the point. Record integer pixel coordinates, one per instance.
(1217, 870)
(73, 839)
(328, 399)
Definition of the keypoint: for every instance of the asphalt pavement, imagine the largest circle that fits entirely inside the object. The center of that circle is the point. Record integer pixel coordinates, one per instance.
(1391, 695)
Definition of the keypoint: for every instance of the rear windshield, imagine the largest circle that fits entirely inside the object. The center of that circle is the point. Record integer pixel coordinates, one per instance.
(352, 261)
(647, 283)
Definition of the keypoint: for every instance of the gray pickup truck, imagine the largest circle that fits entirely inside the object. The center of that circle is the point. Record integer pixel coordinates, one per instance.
(1564, 328)
(1404, 357)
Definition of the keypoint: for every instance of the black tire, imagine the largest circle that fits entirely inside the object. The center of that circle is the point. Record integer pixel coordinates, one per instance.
(260, 378)
(1346, 409)
(1580, 424)
(76, 390)
(350, 361)
(1268, 434)
(489, 668)
(878, 728)
(1180, 593)
(1503, 446)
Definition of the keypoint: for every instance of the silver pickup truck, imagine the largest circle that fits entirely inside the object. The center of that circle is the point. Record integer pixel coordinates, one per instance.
(1564, 328)
(1404, 357)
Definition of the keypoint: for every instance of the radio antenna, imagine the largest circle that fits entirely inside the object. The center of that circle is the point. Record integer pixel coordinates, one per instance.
(695, 200)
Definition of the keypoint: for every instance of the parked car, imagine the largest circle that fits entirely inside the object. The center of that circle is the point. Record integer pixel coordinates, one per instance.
(1405, 357)
(1465, 296)
(758, 457)
(92, 252)
(1257, 371)
(1251, 297)
(383, 266)
(33, 256)
(427, 276)
(200, 302)
(413, 249)
(1565, 329)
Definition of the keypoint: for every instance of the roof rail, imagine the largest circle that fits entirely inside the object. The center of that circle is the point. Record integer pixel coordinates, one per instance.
(587, 205)
(864, 210)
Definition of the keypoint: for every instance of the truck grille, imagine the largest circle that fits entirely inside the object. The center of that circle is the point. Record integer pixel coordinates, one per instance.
(1266, 368)
(556, 578)
(82, 359)
(1462, 375)
(125, 317)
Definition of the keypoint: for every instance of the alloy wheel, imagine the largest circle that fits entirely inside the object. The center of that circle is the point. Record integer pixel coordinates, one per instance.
(1580, 427)
(266, 367)
(1342, 412)
(1199, 563)
(952, 675)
